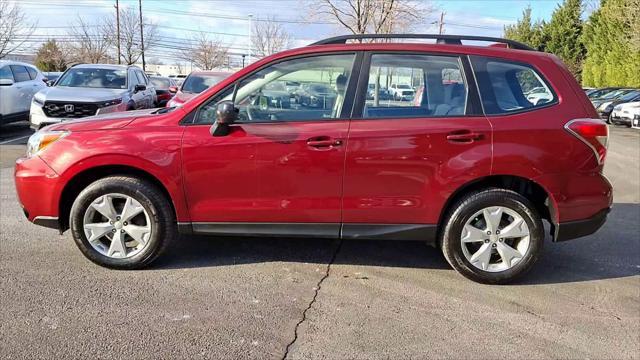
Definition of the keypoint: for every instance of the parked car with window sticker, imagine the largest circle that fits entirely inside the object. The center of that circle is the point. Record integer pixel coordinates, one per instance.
(471, 166)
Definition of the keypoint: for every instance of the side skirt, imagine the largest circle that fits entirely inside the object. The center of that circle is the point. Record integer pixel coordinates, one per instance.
(403, 232)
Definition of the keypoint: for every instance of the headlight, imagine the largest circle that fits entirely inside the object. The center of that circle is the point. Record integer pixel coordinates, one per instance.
(110, 102)
(38, 100)
(41, 139)
(617, 107)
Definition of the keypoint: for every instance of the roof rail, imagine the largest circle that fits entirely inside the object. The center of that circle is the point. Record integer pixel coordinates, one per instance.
(440, 39)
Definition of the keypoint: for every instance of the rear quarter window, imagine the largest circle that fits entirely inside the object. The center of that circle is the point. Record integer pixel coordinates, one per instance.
(508, 87)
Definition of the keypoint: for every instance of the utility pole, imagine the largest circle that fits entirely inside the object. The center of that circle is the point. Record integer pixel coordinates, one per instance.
(441, 23)
(144, 65)
(118, 29)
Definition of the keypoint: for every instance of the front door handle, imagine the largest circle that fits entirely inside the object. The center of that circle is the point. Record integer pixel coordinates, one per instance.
(464, 136)
(323, 142)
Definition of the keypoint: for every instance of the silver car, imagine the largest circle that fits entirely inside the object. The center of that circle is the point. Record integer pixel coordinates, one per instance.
(92, 89)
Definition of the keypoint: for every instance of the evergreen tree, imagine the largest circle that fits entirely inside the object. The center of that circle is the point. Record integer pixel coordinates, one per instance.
(526, 31)
(563, 35)
(50, 57)
(610, 38)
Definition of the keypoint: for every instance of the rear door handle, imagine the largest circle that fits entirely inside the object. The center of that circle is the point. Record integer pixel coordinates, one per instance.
(464, 136)
(323, 142)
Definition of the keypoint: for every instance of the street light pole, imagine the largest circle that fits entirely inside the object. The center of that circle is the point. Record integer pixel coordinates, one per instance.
(141, 35)
(118, 29)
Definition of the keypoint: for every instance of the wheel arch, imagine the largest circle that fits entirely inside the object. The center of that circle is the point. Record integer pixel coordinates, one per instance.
(85, 177)
(533, 191)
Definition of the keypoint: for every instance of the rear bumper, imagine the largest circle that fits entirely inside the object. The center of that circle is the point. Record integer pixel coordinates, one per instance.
(579, 228)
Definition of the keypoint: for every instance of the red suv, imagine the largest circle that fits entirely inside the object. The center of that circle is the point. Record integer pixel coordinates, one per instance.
(472, 165)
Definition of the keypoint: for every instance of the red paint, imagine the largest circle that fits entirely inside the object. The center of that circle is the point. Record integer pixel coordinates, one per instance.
(352, 171)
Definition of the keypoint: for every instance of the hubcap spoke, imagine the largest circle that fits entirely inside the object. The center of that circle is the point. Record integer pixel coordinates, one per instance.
(138, 233)
(492, 216)
(117, 249)
(104, 205)
(97, 230)
(471, 233)
(516, 229)
(482, 257)
(508, 254)
(131, 209)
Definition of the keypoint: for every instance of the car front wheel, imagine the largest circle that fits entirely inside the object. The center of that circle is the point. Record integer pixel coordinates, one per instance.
(492, 236)
(122, 222)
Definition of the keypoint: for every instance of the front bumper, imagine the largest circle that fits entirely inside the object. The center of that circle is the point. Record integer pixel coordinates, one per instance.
(576, 229)
(38, 119)
(37, 188)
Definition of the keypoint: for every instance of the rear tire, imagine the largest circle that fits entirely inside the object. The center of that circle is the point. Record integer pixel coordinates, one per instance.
(135, 216)
(497, 263)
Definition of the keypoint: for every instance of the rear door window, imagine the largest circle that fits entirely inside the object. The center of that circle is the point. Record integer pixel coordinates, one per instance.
(507, 87)
(409, 85)
(20, 73)
(33, 74)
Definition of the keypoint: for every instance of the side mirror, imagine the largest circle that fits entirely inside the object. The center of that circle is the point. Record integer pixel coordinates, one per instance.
(226, 114)
(139, 87)
(50, 82)
(6, 82)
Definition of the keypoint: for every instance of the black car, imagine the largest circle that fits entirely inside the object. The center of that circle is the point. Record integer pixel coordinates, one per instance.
(316, 96)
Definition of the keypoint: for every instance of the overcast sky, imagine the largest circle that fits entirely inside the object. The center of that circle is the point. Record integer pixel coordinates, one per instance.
(229, 20)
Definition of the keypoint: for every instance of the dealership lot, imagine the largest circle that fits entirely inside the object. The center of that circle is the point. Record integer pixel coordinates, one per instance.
(271, 298)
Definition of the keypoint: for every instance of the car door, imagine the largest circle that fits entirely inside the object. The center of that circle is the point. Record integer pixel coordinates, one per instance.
(147, 93)
(406, 157)
(137, 97)
(23, 88)
(279, 170)
(37, 81)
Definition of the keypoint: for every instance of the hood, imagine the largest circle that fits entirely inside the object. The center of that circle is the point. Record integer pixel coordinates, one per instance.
(79, 94)
(114, 120)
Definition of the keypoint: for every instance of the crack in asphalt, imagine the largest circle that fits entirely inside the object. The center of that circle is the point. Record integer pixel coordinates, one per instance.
(313, 300)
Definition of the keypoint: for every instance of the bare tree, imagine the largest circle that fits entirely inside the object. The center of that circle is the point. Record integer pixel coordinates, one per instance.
(374, 16)
(130, 44)
(268, 37)
(91, 44)
(15, 28)
(204, 52)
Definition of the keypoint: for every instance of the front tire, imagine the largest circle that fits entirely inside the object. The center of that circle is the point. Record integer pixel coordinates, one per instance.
(493, 236)
(122, 222)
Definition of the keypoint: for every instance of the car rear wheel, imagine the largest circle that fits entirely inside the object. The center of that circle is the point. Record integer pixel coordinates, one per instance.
(122, 222)
(493, 236)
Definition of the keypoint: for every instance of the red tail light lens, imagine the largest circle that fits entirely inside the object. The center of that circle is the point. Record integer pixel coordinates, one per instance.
(594, 133)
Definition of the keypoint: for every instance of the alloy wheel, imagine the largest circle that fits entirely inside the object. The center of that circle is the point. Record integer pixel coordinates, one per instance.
(117, 226)
(495, 239)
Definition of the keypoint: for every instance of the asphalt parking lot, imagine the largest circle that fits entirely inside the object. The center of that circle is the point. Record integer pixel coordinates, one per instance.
(300, 299)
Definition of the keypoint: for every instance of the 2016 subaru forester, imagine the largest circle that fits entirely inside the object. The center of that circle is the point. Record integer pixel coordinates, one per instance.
(469, 164)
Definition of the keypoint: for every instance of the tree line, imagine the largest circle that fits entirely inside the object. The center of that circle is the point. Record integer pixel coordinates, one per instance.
(602, 49)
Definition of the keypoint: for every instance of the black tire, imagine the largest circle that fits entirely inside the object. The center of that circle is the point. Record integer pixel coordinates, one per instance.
(155, 203)
(467, 207)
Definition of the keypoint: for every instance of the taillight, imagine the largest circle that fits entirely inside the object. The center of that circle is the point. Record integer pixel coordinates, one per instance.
(594, 133)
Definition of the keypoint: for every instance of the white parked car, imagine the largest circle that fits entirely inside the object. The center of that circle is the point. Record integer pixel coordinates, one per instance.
(18, 83)
(625, 113)
(402, 92)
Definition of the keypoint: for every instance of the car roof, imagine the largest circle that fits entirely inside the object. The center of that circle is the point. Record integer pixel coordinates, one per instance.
(12, 62)
(105, 66)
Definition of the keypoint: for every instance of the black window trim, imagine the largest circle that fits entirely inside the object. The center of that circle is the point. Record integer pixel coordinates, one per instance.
(191, 118)
(472, 105)
(537, 70)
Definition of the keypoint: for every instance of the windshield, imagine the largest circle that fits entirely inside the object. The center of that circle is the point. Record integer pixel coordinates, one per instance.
(94, 78)
(404, 87)
(196, 83)
(160, 83)
(613, 94)
(629, 96)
